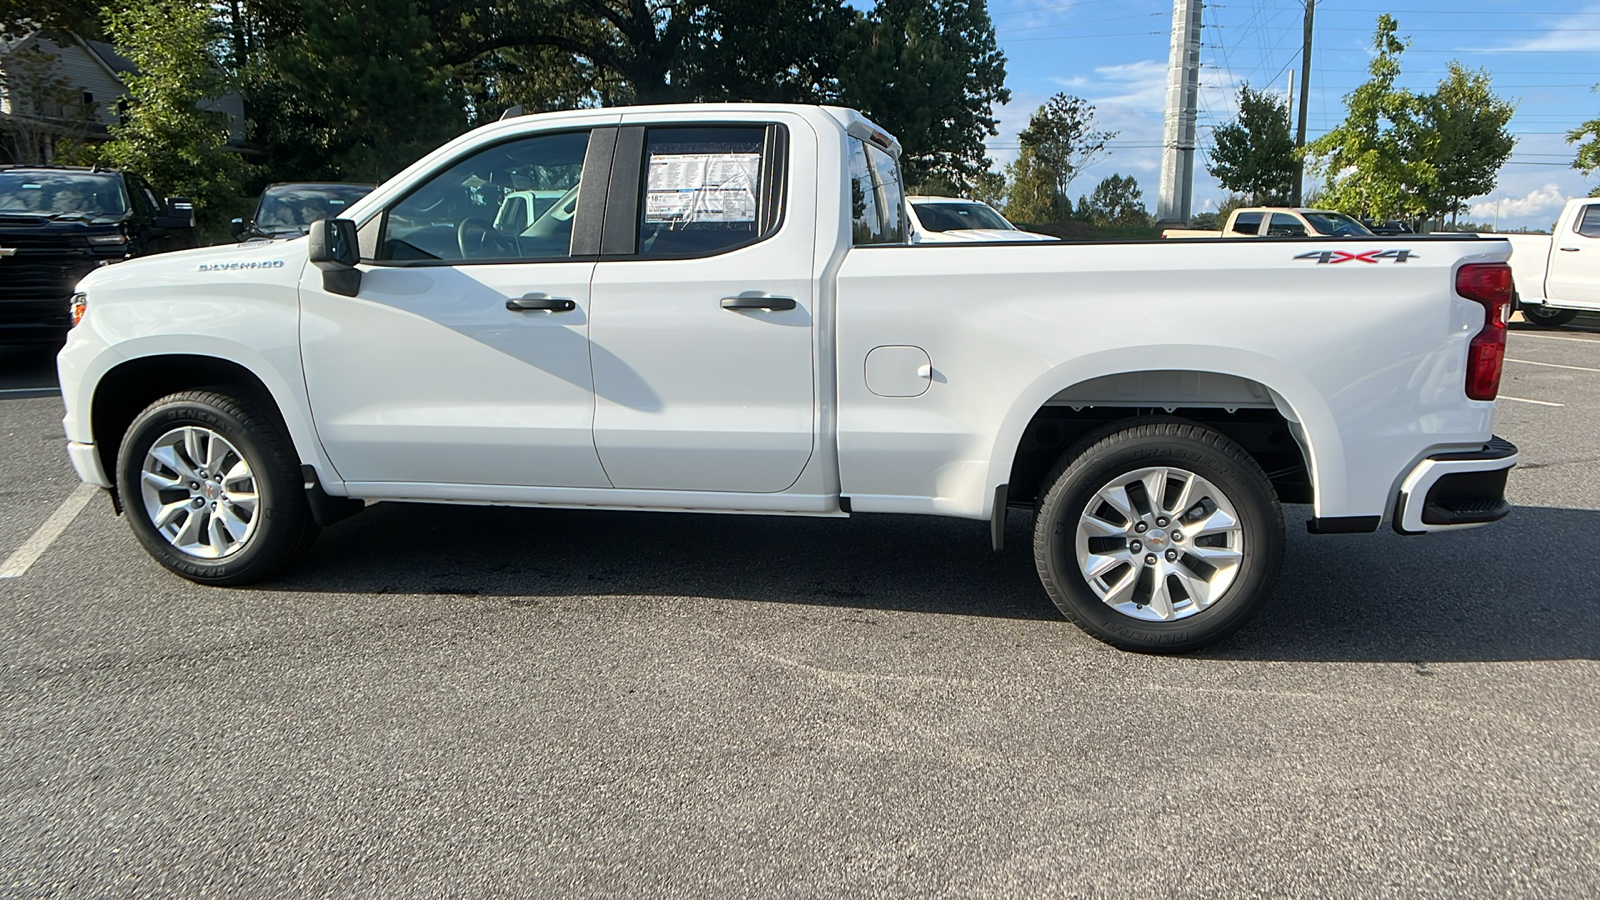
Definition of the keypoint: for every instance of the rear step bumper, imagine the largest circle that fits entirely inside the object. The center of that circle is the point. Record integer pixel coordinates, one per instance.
(1451, 491)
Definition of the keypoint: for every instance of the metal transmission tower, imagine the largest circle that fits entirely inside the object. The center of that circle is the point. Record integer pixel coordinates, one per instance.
(1183, 90)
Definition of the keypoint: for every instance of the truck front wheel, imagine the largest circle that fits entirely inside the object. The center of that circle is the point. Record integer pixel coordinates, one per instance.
(1160, 537)
(212, 488)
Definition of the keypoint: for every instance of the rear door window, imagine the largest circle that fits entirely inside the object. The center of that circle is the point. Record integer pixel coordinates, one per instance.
(708, 189)
(877, 201)
(1285, 225)
(1247, 223)
(1589, 222)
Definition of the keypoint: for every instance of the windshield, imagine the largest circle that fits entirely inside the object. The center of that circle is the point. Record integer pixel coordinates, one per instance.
(62, 195)
(958, 215)
(1335, 224)
(291, 208)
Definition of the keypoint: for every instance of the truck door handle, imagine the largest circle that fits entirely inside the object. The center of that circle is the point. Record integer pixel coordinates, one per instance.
(757, 302)
(1569, 249)
(544, 302)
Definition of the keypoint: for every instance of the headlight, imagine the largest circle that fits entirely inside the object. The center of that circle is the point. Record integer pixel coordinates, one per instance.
(80, 305)
(105, 239)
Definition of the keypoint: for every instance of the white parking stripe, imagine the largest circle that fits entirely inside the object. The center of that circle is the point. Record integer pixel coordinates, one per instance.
(1524, 400)
(1529, 362)
(1554, 337)
(34, 547)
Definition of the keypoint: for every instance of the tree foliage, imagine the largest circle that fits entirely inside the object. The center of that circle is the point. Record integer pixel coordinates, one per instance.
(1368, 159)
(1464, 139)
(930, 71)
(165, 134)
(1587, 137)
(1400, 154)
(1116, 200)
(1255, 154)
(1059, 142)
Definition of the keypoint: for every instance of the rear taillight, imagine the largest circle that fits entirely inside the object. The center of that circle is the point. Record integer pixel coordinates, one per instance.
(1488, 284)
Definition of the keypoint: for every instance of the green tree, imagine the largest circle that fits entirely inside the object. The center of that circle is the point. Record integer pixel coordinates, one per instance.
(989, 187)
(1587, 137)
(19, 17)
(1371, 160)
(1255, 155)
(1033, 194)
(1061, 138)
(778, 51)
(164, 135)
(356, 91)
(930, 71)
(1116, 200)
(1464, 139)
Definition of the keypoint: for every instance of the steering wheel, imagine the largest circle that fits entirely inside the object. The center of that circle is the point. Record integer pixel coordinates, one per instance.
(477, 239)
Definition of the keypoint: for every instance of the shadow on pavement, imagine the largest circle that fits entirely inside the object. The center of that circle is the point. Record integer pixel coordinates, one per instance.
(1527, 588)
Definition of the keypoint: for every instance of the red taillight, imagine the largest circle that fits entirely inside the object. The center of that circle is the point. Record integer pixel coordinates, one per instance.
(1490, 285)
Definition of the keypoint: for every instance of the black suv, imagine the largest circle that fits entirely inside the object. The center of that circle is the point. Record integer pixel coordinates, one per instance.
(58, 223)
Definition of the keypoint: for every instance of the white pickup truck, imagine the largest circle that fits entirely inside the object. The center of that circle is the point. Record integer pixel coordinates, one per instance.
(721, 312)
(1279, 221)
(1558, 276)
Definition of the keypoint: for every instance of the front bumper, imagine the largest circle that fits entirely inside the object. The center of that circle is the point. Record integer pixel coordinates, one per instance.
(1451, 491)
(86, 460)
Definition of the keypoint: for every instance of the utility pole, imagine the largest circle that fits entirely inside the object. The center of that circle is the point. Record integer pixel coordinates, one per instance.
(1305, 97)
(1183, 90)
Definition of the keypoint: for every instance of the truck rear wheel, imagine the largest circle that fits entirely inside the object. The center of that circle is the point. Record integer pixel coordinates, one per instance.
(212, 488)
(1160, 537)
(1547, 317)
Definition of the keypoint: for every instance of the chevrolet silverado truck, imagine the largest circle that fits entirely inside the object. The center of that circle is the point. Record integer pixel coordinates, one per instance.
(1557, 275)
(1279, 221)
(720, 311)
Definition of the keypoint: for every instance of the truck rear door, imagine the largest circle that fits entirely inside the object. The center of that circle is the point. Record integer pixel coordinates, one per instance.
(702, 305)
(1574, 275)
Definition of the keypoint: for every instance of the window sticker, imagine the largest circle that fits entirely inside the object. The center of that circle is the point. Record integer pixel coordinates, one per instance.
(685, 188)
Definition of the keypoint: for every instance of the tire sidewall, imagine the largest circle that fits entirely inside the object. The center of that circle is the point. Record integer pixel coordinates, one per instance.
(1246, 488)
(271, 532)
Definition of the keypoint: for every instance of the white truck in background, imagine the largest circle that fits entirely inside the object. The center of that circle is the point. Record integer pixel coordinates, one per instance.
(1557, 275)
(722, 312)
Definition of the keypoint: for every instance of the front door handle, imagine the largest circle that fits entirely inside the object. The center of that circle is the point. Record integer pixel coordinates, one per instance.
(756, 301)
(541, 302)
(1569, 249)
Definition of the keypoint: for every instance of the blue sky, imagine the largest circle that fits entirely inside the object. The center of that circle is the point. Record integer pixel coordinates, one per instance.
(1542, 54)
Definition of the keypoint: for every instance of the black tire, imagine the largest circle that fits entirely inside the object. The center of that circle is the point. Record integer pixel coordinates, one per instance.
(1104, 456)
(1545, 317)
(282, 528)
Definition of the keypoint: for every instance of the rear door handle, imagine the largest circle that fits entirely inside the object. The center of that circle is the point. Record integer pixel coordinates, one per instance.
(541, 302)
(1569, 249)
(756, 301)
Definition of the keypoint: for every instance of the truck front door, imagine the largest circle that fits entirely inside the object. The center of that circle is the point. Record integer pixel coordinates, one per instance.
(1574, 276)
(464, 358)
(703, 306)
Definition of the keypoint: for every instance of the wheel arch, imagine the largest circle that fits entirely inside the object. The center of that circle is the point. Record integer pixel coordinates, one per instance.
(132, 384)
(1270, 410)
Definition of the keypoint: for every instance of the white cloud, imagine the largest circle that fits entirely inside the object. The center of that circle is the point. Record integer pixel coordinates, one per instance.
(1549, 197)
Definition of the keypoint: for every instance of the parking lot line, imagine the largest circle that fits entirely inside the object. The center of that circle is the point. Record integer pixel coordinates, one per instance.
(1555, 337)
(1529, 362)
(1536, 402)
(35, 546)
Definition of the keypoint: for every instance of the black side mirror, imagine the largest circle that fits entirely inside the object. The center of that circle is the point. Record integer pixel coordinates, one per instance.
(332, 248)
(180, 213)
(236, 228)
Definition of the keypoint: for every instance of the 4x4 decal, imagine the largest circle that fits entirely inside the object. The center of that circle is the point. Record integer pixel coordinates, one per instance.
(1334, 257)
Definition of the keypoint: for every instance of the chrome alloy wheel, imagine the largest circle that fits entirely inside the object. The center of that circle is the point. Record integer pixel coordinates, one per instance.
(1159, 544)
(199, 492)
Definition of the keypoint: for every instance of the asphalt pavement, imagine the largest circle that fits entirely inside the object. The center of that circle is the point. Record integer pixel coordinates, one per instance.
(453, 701)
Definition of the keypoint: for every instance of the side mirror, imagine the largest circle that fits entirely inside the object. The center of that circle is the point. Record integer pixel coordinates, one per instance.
(180, 213)
(236, 228)
(331, 247)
